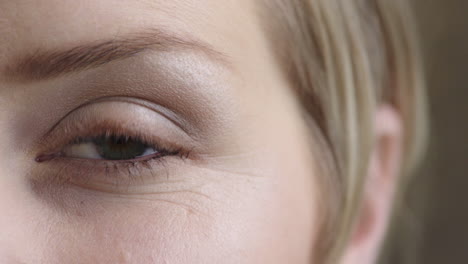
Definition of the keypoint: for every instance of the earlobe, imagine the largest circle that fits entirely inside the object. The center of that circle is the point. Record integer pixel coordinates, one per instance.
(379, 191)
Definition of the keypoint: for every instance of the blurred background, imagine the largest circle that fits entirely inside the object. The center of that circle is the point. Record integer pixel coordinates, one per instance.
(434, 227)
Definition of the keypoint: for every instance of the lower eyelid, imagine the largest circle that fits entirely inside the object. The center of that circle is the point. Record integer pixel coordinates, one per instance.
(67, 190)
(108, 176)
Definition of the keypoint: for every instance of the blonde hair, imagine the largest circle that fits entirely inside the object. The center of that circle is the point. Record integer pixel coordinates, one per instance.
(344, 58)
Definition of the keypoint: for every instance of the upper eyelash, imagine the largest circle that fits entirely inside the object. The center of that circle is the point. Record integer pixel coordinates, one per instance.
(72, 132)
(79, 140)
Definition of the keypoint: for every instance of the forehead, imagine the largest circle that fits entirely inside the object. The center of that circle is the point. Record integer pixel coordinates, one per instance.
(33, 24)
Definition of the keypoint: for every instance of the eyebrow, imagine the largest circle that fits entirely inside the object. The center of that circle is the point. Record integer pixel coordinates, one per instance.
(47, 64)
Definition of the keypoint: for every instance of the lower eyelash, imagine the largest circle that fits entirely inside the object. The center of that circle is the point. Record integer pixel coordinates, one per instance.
(161, 153)
(115, 174)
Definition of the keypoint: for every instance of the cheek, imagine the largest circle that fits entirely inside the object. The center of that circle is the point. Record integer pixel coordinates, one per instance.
(241, 219)
(131, 232)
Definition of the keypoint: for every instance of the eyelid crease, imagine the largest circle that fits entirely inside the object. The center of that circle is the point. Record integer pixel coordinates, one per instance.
(74, 132)
(171, 143)
(116, 126)
(167, 113)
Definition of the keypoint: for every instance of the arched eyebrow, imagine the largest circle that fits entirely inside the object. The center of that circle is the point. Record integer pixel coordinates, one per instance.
(47, 64)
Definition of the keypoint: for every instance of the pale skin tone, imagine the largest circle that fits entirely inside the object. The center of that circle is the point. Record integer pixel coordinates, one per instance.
(241, 187)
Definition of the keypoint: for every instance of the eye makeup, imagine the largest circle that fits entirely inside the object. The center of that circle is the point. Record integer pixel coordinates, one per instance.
(176, 104)
(196, 95)
(113, 128)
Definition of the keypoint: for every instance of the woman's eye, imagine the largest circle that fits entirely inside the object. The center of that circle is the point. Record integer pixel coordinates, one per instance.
(109, 148)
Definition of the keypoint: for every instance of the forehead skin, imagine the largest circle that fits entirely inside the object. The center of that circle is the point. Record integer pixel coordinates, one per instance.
(229, 26)
(258, 210)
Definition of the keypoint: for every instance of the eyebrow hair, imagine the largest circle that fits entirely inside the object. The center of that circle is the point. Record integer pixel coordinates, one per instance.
(46, 64)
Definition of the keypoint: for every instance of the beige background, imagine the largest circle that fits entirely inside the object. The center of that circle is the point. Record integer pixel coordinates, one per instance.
(437, 203)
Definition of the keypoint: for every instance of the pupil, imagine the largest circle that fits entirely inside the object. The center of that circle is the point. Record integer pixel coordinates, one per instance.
(119, 148)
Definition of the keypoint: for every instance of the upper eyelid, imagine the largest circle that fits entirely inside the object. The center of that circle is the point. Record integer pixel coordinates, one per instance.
(166, 112)
(169, 114)
(165, 134)
(91, 139)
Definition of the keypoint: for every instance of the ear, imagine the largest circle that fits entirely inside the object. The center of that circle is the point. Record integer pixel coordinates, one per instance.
(379, 191)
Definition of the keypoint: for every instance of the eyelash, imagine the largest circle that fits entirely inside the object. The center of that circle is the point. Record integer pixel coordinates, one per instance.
(114, 170)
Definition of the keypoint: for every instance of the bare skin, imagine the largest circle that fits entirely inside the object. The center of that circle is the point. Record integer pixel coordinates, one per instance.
(236, 181)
